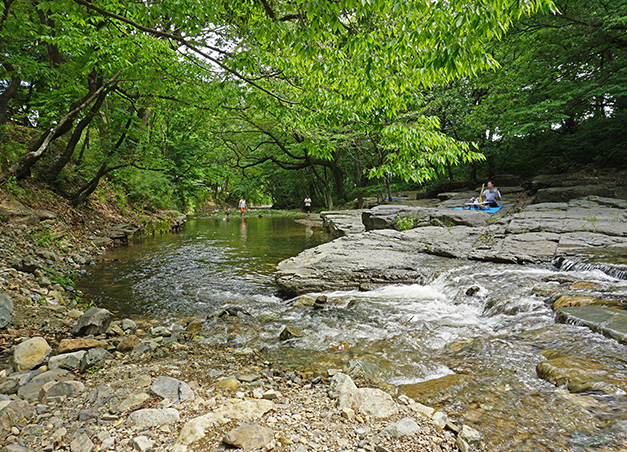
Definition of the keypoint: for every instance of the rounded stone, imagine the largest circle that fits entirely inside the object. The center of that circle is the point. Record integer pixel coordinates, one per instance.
(30, 353)
(230, 384)
(249, 436)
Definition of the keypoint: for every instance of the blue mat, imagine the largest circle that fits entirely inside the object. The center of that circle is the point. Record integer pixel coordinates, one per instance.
(488, 210)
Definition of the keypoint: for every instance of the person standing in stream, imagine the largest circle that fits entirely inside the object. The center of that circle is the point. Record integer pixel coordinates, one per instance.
(242, 206)
(491, 194)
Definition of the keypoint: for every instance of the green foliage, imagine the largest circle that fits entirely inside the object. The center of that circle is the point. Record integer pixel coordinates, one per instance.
(405, 223)
(332, 90)
(149, 191)
(57, 278)
(558, 101)
(43, 237)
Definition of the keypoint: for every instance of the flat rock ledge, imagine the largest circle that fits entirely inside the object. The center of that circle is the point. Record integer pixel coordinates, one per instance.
(382, 255)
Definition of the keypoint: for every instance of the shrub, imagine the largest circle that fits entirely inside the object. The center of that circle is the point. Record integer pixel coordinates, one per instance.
(405, 223)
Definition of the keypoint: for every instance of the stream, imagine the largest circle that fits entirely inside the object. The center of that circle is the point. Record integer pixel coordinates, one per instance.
(473, 356)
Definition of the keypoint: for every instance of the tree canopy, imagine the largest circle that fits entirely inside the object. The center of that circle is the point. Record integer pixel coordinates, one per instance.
(345, 87)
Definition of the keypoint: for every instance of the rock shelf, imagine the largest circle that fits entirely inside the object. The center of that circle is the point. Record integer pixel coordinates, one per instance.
(537, 234)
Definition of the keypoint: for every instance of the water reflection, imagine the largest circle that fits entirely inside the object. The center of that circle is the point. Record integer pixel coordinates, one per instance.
(243, 231)
(212, 262)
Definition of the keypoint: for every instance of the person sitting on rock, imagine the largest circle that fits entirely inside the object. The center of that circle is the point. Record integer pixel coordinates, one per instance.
(491, 195)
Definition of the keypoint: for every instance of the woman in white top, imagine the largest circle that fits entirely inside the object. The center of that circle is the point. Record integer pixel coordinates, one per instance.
(491, 195)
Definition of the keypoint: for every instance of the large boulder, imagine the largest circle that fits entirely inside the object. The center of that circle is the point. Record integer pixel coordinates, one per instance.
(382, 255)
(362, 261)
(565, 194)
(30, 354)
(94, 322)
(341, 223)
(385, 216)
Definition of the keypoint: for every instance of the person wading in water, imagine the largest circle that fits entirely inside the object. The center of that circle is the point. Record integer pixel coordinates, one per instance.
(242, 206)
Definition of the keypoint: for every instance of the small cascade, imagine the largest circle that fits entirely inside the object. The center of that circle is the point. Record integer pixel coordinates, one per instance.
(568, 265)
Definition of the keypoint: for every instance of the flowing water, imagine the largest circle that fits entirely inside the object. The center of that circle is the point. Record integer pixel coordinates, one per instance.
(473, 355)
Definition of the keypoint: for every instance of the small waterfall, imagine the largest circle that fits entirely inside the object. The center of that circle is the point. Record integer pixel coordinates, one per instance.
(567, 265)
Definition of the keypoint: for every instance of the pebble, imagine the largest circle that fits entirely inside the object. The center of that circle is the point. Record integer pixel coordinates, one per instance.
(230, 384)
(151, 417)
(82, 443)
(108, 443)
(141, 443)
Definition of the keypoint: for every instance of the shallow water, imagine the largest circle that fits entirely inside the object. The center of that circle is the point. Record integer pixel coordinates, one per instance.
(475, 356)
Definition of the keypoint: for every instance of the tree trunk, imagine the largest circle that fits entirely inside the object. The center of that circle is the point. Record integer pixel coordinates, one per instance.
(21, 168)
(329, 196)
(89, 187)
(76, 136)
(388, 185)
(490, 160)
(8, 93)
(83, 147)
(338, 178)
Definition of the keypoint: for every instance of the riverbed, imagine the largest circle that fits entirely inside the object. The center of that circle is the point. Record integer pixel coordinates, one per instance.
(474, 356)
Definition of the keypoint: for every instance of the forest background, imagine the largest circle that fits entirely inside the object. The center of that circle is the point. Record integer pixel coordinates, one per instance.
(180, 104)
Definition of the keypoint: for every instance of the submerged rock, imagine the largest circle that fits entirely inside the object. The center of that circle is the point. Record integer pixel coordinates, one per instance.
(290, 332)
(357, 368)
(234, 312)
(579, 374)
(566, 301)
(608, 321)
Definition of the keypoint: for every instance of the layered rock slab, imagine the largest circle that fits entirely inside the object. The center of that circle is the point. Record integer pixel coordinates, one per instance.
(370, 259)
